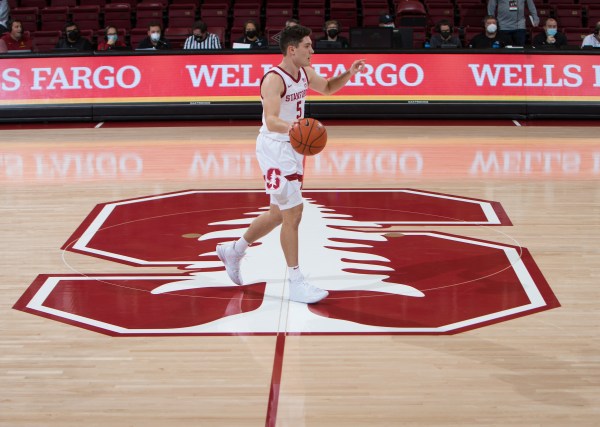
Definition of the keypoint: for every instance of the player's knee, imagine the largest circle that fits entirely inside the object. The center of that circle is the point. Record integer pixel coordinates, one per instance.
(276, 218)
(293, 217)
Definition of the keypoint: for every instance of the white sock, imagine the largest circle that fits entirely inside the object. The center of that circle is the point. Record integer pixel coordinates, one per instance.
(295, 274)
(240, 246)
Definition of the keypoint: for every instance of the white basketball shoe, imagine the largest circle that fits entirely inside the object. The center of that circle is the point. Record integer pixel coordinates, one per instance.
(232, 260)
(302, 291)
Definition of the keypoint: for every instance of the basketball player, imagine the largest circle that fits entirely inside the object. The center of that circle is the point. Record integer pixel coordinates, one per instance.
(283, 91)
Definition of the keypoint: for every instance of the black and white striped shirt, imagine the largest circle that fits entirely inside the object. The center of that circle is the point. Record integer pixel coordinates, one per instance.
(210, 42)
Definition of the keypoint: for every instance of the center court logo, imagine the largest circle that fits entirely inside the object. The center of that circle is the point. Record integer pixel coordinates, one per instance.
(380, 253)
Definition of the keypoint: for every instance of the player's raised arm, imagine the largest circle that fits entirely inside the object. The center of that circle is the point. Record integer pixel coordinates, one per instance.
(332, 85)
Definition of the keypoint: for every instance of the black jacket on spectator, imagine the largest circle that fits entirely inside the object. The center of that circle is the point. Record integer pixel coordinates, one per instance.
(539, 41)
(80, 44)
(147, 44)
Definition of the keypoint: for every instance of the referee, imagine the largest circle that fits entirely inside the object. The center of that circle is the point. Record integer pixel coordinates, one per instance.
(201, 39)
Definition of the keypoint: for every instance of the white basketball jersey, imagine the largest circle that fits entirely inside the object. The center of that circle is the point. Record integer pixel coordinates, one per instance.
(292, 101)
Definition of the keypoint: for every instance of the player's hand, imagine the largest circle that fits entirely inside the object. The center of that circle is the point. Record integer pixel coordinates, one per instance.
(291, 125)
(357, 66)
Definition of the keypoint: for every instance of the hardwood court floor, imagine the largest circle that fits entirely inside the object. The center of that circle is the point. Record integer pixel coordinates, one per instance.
(538, 369)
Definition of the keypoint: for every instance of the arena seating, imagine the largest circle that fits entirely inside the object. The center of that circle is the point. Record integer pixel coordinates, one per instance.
(227, 17)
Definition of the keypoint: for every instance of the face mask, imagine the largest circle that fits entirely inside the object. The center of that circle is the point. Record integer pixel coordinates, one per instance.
(551, 32)
(111, 38)
(491, 28)
(332, 32)
(73, 35)
(251, 34)
(446, 34)
(155, 37)
(200, 38)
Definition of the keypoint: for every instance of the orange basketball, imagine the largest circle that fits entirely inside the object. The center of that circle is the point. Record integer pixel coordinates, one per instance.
(308, 137)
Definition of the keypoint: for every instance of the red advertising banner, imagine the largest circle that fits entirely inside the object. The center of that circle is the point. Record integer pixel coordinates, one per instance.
(214, 78)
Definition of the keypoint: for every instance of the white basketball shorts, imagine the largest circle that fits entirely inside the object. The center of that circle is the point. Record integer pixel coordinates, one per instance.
(277, 159)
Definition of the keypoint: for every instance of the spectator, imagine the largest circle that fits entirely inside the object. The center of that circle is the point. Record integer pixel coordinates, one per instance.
(490, 37)
(201, 38)
(386, 20)
(551, 37)
(592, 40)
(444, 35)
(154, 40)
(332, 34)
(72, 39)
(251, 36)
(292, 22)
(111, 39)
(16, 39)
(4, 12)
(511, 18)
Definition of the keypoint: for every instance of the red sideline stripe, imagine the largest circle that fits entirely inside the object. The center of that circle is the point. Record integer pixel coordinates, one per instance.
(275, 381)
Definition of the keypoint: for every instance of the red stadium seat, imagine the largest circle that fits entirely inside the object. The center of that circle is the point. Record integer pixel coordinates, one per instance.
(88, 34)
(177, 36)
(54, 18)
(312, 17)
(86, 17)
(575, 35)
(148, 13)
(236, 33)
(442, 9)
(45, 41)
(419, 35)
(471, 32)
(132, 3)
(118, 14)
(28, 17)
(344, 11)
(569, 3)
(219, 32)
(284, 4)
(471, 15)
(196, 3)
(164, 3)
(371, 14)
(569, 16)
(214, 15)
(411, 13)
(312, 3)
(277, 16)
(544, 11)
(59, 3)
(182, 15)
(243, 12)
(136, 35)
(40, 4)
(100, 3)
(593, 15)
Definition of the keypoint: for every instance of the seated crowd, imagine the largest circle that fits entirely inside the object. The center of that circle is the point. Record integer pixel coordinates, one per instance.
(443, 35)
